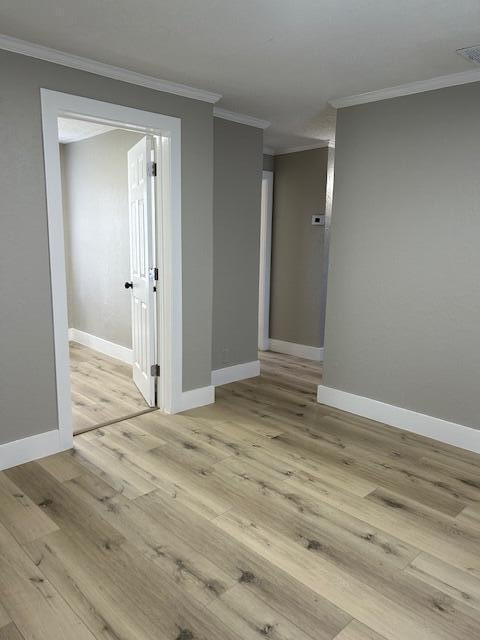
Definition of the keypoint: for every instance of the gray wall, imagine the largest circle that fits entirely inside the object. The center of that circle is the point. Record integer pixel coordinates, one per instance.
(28, 394)
(297, 248)
(237, 191)
(268, 162)
(95, 181)
(403, 304)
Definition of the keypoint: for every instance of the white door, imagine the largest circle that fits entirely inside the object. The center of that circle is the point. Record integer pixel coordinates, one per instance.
(142, 262)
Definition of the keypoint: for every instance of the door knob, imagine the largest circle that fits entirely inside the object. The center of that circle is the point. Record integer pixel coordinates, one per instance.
(128, 285)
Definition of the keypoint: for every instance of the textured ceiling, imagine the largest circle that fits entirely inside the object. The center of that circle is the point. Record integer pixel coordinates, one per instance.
(274, 59)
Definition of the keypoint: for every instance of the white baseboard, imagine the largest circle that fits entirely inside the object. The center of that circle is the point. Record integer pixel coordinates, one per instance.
(298, 350)
(448, 432)
(235, 373)
(194, 398)
(32, 448)
(103, 346)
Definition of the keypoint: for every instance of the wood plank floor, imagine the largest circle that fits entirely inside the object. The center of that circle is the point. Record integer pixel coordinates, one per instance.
(265, 515)
(102, 389)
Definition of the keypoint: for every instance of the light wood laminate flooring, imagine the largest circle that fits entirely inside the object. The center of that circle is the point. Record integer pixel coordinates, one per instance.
(103, 390)
(265, 515)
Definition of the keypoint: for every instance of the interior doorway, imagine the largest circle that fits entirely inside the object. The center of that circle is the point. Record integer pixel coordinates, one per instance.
(108, 189)
(152, 282)
(265, 261)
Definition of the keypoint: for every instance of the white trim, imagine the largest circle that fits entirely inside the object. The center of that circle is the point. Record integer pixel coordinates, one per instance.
(54, 105)
(307, 147)
(268, 151)
(241, 118)
(420, 423)
(170, 302)
(326, 233)
(266, 214)
(194, 398)
(235, 373)
(100, 68)
(298, 350)
(56, 241)
(103, 346)
(440, 82)
(32, 448)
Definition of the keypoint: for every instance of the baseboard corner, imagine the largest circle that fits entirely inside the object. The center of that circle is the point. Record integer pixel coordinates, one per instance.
(194, 398)
(235, 372)
(33, 448)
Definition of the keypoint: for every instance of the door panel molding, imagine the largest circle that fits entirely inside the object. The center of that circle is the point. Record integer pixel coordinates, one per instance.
(141, 207)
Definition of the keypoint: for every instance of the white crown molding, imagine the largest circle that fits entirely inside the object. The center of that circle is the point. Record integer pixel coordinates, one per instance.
(440, 82)
(241, 118)
(422, 424)
(269, 151)
(306, 147)
(109, 71)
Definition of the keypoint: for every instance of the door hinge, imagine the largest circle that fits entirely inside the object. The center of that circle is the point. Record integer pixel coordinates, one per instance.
(155, 370)
(155, 273)
(151, 169)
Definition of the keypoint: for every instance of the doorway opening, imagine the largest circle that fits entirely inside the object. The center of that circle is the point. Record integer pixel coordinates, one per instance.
(266, 212)
(115, 247)
(108, 191)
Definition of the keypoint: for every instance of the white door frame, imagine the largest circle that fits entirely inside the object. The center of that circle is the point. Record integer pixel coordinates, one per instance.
(326, 234)
(265, 262)
(168, 241)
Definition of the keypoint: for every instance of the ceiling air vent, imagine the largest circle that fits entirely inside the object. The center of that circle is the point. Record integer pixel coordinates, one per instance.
(471, 53)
